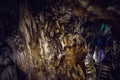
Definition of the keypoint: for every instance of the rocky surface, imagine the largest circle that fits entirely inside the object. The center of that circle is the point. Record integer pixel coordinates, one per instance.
(50, 39)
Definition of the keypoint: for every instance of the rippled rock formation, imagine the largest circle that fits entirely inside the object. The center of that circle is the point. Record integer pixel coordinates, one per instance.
(50, 39)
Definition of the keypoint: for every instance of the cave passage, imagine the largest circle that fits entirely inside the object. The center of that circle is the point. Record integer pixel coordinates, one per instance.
(59, 40)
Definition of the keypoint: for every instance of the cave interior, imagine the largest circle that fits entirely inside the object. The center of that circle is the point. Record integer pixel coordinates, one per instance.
(59, 39)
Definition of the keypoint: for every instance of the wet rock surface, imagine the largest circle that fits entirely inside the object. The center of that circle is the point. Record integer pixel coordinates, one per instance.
(50, 41)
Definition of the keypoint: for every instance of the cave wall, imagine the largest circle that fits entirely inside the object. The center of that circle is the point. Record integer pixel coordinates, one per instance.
(47, 39)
